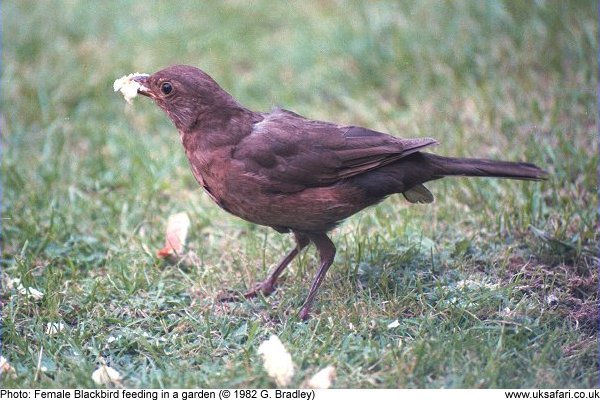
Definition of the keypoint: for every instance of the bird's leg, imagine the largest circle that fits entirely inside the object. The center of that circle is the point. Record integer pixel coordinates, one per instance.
(326, 254)
(267, 286)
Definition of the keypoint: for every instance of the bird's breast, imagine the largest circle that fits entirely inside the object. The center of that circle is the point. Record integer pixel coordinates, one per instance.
(210, 171)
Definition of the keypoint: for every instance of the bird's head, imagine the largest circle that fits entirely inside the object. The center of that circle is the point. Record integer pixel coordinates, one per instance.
(186, 94)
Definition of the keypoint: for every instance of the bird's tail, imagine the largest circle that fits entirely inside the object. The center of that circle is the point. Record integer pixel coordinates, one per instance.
(449, 166)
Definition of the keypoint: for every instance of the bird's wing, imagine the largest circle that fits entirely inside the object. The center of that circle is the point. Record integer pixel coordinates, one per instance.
(291, 153)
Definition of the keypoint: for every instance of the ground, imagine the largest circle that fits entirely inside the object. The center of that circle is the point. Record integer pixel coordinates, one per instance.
(492, 285)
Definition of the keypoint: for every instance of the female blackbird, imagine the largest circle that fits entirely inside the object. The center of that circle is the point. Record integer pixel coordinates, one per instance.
(294, 174)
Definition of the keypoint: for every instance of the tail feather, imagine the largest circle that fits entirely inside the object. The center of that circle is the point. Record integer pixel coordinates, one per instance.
(449, 166)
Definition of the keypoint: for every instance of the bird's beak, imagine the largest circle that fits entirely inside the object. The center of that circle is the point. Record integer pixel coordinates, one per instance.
(143, 89)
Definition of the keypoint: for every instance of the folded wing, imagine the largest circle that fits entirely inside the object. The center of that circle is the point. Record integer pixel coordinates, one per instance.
(290, 153)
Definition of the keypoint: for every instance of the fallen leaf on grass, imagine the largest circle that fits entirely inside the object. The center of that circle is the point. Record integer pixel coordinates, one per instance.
(393, 325)
(106, 375)
(322, 379)
(277, 361)
(30, 292)
(177, 230)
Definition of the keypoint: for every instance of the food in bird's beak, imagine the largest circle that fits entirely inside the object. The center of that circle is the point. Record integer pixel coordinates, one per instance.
(129, 86)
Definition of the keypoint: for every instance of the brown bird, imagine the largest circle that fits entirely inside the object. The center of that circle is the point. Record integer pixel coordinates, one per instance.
(294, 174)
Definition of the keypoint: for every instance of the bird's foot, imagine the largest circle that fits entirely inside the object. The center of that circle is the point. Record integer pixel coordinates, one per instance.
(266, 288)
(304, 313)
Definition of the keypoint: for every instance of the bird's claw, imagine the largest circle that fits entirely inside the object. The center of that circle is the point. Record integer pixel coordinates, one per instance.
(229, 295)
(266, 288)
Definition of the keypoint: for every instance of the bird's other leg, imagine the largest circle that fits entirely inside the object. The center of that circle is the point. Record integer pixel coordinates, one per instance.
(326, 254)
(267, 286)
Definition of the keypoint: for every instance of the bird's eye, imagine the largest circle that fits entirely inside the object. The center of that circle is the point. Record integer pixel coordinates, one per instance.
(166, 88)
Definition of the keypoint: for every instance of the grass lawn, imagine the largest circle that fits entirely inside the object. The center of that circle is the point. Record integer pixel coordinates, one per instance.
(493, 285)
